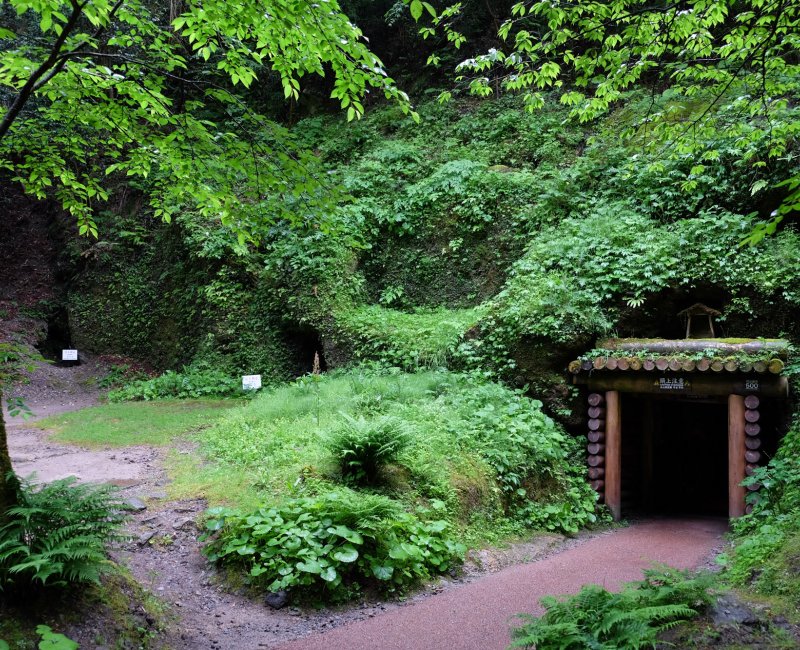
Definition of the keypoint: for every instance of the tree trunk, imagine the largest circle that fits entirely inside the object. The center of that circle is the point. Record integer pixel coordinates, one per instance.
(9, 485)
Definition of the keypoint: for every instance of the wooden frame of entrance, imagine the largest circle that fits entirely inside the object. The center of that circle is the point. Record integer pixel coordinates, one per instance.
(605, 423)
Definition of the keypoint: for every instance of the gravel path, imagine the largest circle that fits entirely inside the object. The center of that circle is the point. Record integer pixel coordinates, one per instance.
(55, 389)
(477, 616)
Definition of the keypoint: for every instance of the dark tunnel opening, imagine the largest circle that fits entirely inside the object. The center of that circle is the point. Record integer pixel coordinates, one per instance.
(674, 455)
(304, 343)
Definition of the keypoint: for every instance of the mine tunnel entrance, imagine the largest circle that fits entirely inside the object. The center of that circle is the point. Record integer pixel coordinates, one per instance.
(674, 456)
(676, 426)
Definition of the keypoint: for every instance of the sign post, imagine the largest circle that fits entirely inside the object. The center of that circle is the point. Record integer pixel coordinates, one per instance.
(251, 382)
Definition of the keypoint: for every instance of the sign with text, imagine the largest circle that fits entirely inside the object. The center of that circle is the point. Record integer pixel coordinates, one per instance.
(673, 383)
(69, 355)
(751, 384)
(251, 382)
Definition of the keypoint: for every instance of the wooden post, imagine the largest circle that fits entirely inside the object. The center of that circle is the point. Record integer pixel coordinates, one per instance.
(736, 455)
(613, 486)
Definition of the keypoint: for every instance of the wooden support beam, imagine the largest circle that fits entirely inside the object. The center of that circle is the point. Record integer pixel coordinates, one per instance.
(613, 479)
(596, 436)
(596, 472)
(694, 384)
(736, 456)
(725, 347)
(595, 399)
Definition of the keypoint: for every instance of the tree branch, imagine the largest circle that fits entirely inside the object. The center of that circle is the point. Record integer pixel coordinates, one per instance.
(30, 86)
(64, 57)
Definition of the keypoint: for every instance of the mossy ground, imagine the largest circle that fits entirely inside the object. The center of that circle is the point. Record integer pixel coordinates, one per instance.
(117, 613)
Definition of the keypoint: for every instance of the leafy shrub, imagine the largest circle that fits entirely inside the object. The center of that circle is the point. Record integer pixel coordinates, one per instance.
(558, 293)
(53, 640)
(488, 452)
(539, 469)
(331, 545)
(190, 383)
(765, 553)
(59, 534)
(363, 447)
(630, 619)
(50, 640)
(421, 339)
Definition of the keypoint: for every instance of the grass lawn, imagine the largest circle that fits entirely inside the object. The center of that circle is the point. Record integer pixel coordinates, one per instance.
(135, 423)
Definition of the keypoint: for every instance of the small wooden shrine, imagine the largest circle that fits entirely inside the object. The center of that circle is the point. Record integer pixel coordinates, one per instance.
(733, 376)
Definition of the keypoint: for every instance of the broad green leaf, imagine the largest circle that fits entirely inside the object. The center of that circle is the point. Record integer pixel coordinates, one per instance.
(346, 554)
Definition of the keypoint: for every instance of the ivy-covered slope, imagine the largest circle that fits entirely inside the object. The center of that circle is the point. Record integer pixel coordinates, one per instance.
(482, 237)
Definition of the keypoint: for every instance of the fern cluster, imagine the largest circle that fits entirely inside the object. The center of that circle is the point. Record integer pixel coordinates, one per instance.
(631, 619)
(363, 447)
(58, 534)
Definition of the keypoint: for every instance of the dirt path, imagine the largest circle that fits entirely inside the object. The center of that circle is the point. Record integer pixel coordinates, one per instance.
(55, 389)
(477, 616)
(469, 612)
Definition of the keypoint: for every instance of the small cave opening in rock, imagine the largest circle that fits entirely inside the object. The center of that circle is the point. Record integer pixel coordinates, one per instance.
(674, 456)
(57, 336)
(303, 344)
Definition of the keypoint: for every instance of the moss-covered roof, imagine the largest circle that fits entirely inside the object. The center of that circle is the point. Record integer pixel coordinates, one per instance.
(685, 355)
(699, 309)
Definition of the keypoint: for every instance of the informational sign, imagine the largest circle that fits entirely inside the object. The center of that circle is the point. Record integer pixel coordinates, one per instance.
(69, 355)
(673, 383)
(251, 382)
(751, 384)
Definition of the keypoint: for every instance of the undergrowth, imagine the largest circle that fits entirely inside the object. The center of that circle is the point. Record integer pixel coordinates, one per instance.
(485, 450)
(363, 448)
(58, 535)
(191, 382)
(632, 618)
(330, 547)
(449, 456)
(766, 554)
(423, 338)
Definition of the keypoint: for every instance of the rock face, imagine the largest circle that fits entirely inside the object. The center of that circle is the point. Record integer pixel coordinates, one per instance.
(730, 609)
(136, 504)
(31, 289)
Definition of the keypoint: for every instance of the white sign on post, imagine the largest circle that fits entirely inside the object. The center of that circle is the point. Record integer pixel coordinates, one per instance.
(251, 382)
(69, 355)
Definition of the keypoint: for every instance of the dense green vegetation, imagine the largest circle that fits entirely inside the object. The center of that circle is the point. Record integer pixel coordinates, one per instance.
(443, 263)
(486, 452)
(443, 256)
(331, 547)
(442, 236)
(767, 551)
(58, 535)
(421, 454)
(633, 618)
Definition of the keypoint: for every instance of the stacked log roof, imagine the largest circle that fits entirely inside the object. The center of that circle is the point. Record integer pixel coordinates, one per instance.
(685, 355)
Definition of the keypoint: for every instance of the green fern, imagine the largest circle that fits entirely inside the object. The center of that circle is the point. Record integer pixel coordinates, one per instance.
(596, 619)
(362, 447)
(59, 534)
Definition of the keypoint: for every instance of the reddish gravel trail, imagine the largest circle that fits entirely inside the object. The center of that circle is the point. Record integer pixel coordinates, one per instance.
(476, 616)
